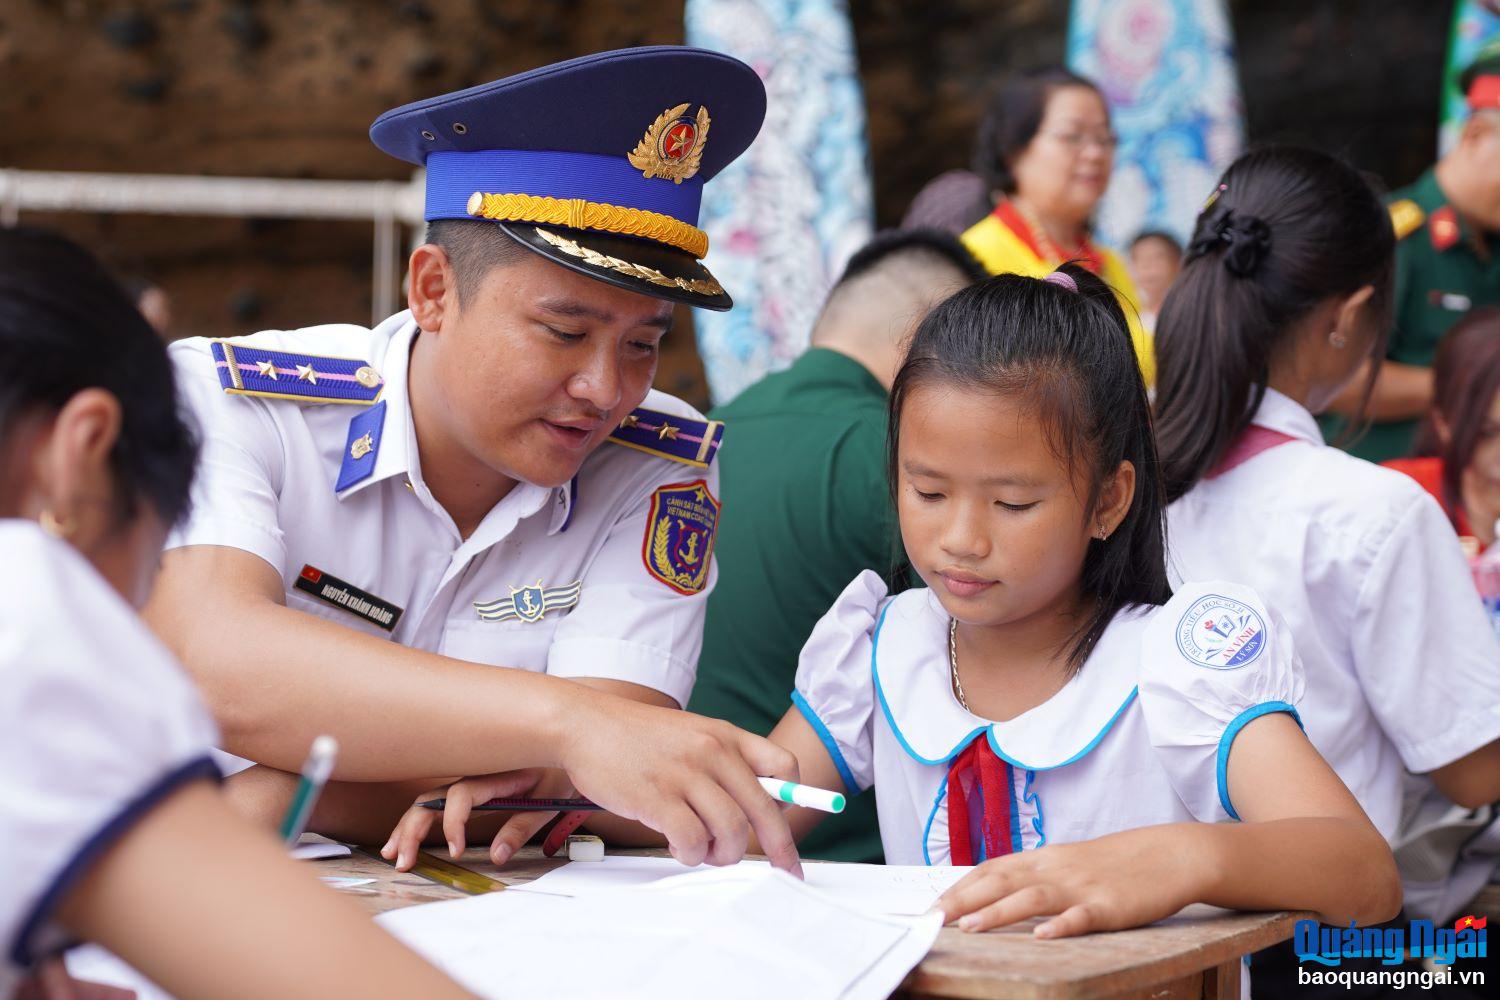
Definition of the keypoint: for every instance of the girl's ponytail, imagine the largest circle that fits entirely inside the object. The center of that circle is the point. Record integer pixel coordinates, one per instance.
(1286, 229)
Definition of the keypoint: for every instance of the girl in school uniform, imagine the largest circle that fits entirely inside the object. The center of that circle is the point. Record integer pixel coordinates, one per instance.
(1045, 708)
(1456, 457)
(113, 828)
(1285, 291)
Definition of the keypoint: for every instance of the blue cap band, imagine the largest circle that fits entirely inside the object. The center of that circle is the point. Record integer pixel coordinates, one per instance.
(452, 177)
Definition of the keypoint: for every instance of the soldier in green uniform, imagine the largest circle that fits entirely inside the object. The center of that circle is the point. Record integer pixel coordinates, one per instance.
(1447, 262)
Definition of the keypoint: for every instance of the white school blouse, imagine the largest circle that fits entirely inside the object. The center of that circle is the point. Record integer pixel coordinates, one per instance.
(1140, 735)
(98, 724)
(1403, 670)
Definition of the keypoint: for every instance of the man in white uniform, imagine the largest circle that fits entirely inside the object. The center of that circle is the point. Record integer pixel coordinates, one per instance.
(475, 482)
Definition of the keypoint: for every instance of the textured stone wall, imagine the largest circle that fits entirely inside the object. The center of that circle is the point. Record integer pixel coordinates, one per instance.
(288, 88)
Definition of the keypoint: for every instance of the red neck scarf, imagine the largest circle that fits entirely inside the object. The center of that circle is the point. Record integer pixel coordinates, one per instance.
(1247, 444)
(980, 786)
(1040, 244)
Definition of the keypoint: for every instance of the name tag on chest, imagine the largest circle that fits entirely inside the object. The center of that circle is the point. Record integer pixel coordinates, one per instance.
(343, 595)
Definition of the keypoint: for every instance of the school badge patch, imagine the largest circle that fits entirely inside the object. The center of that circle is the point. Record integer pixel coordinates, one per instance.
(529, 604)
(680, 535)
(1221, 633)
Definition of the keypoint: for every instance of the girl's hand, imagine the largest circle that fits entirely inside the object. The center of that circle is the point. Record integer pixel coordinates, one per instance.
(461, 797)
(1122, 880)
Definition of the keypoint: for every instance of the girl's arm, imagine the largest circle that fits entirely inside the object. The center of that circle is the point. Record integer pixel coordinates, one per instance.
(792, 733)
(1304, 844)
(1473, 780)
(274, 932)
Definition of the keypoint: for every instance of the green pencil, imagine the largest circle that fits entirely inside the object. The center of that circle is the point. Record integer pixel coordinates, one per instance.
(315, 775)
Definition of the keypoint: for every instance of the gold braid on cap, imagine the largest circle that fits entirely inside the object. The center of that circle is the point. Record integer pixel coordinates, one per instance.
(575, 213)
(698, 286)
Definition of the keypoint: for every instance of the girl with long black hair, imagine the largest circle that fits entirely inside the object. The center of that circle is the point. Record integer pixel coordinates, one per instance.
(1285, 292)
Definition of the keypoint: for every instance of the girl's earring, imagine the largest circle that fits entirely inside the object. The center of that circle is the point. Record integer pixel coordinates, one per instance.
(58, 527)
(1102, 534)
(1338, 340)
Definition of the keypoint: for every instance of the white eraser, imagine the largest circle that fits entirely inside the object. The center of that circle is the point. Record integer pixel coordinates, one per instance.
(583, 847)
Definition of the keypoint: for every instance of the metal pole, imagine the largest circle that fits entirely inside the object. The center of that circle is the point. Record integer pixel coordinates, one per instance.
(386, 263)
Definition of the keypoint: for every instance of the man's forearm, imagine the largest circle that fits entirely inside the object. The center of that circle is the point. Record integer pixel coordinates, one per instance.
(275, 678)
(1401, 392)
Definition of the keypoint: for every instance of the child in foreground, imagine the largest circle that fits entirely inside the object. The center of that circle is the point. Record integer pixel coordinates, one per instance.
(1045, 708)
(113, 828)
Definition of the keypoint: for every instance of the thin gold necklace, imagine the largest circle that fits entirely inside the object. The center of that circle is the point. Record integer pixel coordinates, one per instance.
(958, 685)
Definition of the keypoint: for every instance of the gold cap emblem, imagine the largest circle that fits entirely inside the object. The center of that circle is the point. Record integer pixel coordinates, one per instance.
(673, 146)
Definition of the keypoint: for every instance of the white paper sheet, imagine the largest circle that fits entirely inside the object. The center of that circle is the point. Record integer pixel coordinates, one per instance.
(897, 889)
(311, 847)
(744, 932)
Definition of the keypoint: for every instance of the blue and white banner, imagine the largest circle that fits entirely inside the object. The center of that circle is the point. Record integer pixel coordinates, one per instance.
(1167, 70)
(782, 219)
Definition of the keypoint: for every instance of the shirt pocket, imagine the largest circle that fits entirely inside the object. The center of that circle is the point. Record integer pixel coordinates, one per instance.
(298, 601)
(519, 644)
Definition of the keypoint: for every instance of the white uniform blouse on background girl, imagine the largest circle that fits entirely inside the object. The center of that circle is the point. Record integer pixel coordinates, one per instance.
(98, 724)
(1403, 669)
(1140, 735)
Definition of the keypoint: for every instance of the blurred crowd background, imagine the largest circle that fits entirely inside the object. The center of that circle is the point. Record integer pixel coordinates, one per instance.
(287, 89)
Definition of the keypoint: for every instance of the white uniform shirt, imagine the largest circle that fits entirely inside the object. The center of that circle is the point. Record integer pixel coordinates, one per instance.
(267, 485)
(1140, 735)
(98, 724)
(1403, 670)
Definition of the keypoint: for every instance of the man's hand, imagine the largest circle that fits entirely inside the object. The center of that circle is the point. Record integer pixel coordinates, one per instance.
(689, 778)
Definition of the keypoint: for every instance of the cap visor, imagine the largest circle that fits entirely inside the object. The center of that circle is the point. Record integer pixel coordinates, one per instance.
(636, 265)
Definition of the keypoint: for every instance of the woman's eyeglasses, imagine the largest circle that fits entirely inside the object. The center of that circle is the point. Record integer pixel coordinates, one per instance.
(1106, 141)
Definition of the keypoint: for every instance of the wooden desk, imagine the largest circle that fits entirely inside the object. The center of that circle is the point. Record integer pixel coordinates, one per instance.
(1193, 955)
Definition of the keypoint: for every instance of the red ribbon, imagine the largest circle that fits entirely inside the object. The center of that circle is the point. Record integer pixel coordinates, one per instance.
(979, 791)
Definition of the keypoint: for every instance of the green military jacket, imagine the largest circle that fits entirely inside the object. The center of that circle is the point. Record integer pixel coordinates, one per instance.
(1444, 268)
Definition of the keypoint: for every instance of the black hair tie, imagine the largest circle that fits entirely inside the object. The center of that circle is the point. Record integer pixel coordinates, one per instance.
(1244, 239)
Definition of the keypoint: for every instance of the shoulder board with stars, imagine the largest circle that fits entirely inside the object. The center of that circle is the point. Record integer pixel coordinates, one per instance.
(1406, 217)
(302, 378)
(666, 435)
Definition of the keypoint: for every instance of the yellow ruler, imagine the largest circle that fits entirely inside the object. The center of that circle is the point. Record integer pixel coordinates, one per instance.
(435, 869)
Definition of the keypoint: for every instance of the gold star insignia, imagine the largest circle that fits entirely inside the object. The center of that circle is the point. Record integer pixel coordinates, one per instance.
(667, 432)
(306, 374)
(267, 368)
(630, 420)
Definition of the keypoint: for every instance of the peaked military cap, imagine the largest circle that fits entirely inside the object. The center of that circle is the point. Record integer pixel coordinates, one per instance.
(597, 163)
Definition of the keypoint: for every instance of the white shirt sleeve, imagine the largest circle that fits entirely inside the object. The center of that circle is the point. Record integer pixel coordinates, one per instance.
(835, 689)
(628, 624)
(1213, 659)
(1424, 650)
(97, 725)
(240, 468)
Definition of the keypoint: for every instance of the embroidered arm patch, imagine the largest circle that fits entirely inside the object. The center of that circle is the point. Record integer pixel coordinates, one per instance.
(679, 539)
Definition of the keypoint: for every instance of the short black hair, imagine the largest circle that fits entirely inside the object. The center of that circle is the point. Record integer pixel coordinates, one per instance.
(474, 248)
(1069, 353)
(933, 243)
(66, 325)
(1012, 120)
(1157, 234)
